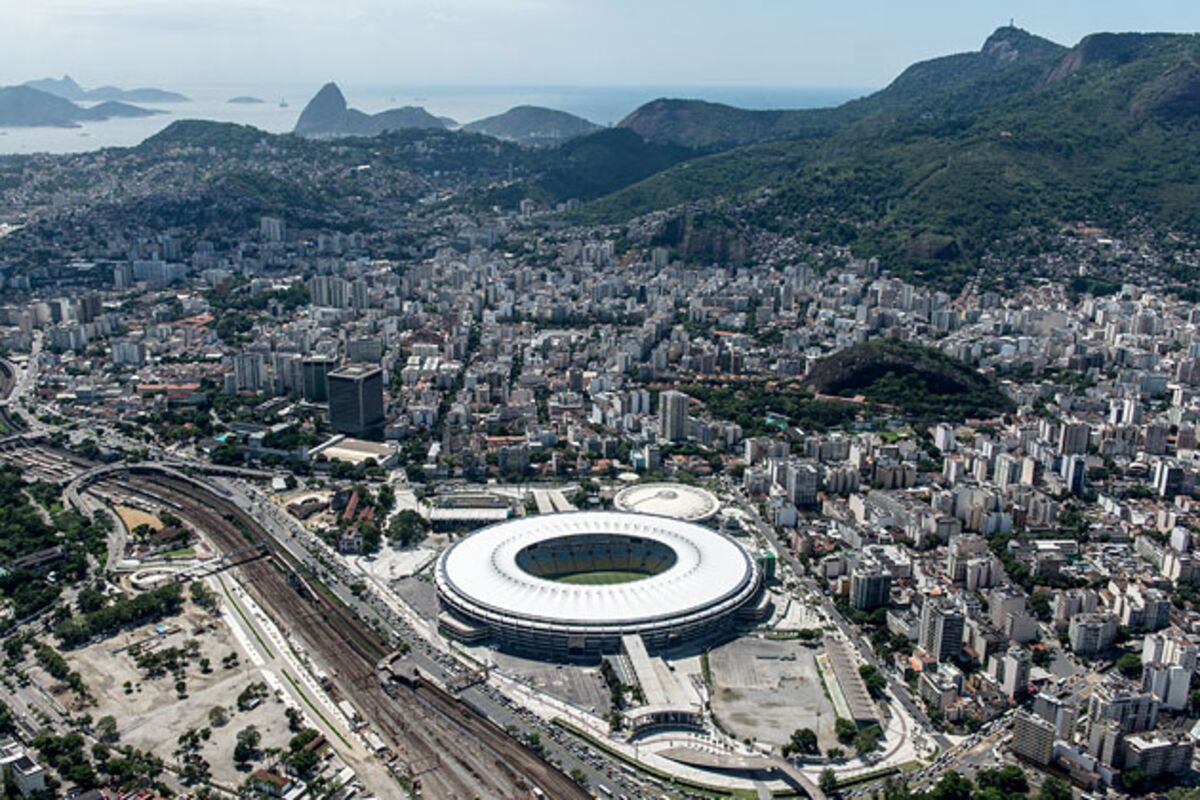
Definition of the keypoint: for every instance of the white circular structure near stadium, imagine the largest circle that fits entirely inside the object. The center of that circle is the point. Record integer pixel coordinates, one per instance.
(677, 500)
(569, 586)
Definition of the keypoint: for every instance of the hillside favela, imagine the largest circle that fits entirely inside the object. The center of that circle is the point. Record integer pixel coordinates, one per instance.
(372, 428)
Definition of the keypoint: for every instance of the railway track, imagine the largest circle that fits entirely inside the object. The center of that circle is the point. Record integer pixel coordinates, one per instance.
(453, 750)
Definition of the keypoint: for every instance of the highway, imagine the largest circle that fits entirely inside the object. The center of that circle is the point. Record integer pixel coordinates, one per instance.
(15, 386)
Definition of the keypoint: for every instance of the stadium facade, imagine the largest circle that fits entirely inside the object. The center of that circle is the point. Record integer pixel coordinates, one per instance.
(569, 586)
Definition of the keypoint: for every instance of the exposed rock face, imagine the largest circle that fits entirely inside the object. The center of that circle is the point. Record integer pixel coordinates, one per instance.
(327, 116)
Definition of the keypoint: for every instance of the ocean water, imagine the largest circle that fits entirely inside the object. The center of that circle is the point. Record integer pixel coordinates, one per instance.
(283, 104)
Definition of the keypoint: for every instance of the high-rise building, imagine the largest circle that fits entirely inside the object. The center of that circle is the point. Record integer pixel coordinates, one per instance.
(1168, 478)
(870, 586)
(941, 634)
(1033, 738)
(1158, 753)
(364, 350)
(672, 415)
(1090, 634)
(316, 371)
(1075, 473)
(801, 480)
(1130, 711)
(356, 401)
(249, 372)
(963, 548)
(1073, 439)
(1169, 683)
(1017, 665)
(1060, 712)
(289, 374)
(128, 354)
(272, 229)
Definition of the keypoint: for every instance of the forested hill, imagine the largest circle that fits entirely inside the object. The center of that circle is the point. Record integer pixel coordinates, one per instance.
(961, 153)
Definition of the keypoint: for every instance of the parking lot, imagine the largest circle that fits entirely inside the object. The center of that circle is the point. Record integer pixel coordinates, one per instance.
(764, 689)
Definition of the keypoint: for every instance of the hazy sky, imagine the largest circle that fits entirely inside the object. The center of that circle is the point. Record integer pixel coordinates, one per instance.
(853, 43)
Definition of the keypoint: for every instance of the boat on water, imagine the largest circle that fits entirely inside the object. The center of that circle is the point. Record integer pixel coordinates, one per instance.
(283, 103)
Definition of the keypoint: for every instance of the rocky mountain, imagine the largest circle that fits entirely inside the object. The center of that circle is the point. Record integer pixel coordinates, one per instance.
(533, 126)
(21, 106)
(1011, 61)
(960, 159)
(66, 88)
(327, 115)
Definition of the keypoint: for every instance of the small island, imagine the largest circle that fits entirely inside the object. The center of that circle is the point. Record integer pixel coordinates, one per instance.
(245, 100)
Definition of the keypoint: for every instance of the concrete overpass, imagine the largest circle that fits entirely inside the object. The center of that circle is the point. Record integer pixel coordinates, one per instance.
(747, 765)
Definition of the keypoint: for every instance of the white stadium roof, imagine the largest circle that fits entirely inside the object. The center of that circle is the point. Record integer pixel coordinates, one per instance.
(677, 500)
(480, 573)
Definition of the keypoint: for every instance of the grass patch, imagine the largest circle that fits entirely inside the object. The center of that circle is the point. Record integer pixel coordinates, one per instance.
(314, 708)
(245, 619)
(600, 578)
(183, 552)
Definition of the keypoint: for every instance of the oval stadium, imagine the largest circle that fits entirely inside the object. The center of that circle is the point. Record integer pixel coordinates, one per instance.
(569, 586)
(677, 500)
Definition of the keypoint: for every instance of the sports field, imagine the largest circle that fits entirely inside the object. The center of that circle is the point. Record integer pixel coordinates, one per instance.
(600, 578)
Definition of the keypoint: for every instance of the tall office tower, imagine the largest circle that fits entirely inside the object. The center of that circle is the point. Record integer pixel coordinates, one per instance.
(941, 634)
(672, 415)
(316, 378)
(870, 586)
(249, 372)
(1073, 439)
(356, 401)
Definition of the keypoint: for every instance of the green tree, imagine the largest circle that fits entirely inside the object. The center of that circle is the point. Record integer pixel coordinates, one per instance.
(828, 782)
(407, 528)
(803, 742)
(246, 748)
(874, 680)
(1010, 780)
(952, 786)
(845, 730)
(1130, 665)
(106, 728)
(1054, 789)
(867, 739)
(1134, 780)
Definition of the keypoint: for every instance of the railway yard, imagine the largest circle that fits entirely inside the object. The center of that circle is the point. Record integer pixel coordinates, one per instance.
(430, 740)
(329, 644)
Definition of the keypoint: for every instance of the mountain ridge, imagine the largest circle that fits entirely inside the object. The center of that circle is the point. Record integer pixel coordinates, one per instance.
(967, 157)
(533, 126)
(67, 88)
(328, 115)
(1009, 59)
(25, 107)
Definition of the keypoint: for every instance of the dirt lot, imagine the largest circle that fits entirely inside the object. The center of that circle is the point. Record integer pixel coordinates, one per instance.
(152, 716)
(132, 517)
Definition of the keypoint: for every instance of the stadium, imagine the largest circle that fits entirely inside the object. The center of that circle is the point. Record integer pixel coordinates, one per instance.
(569, 586)
(676, 500)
